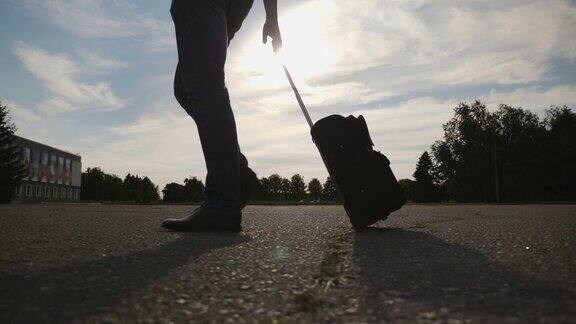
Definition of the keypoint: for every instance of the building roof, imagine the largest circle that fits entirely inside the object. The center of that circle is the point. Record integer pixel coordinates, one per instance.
(51, 148)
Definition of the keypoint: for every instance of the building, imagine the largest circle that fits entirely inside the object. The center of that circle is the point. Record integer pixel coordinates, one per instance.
(52, 174)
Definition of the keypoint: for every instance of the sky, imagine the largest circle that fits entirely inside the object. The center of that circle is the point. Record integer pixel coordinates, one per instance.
(94, 77)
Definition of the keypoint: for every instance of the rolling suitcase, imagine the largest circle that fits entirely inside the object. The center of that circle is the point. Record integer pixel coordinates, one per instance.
(363, 177)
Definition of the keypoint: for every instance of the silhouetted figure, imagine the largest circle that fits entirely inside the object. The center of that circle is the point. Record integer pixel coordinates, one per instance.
(204, 29)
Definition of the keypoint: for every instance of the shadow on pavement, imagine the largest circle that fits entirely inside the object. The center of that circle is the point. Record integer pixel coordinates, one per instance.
(410, 274)
(90, 288)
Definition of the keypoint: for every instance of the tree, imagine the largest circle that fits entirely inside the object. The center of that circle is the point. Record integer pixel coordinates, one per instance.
(274, 185)
(329, 192)
(465, 157)
(113, 187)
(424, 189)
(297, 187)
(519, 151)
(131, 188)
(265, 192)
(93, 185)
(314, 189)
(139, 190)
(285, 188)
(100, 186)
(445, 169)
(508, 155)
(561, 152)
(149, 191)
(174, 193)
(407, 186)
(194, 189)
(12, 171)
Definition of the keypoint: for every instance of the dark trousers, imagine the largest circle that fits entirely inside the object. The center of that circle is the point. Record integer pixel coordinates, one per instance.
(204, 29)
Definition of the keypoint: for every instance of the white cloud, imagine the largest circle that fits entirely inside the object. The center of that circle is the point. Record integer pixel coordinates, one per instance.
(534, 98)
(60, 75)
(98, 64)
(103, 19)
(22, 116)
(570, 50)
(352, 93)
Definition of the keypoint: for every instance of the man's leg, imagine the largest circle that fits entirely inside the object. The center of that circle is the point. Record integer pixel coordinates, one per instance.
(202, 35)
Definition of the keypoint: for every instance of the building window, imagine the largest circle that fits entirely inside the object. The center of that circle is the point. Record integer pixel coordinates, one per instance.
(47, 191)
(55, 192)
(60, 172)
(26, 160)
(63, 193)
(28, 190)
(67, 173)
(44, 168)
(35, 164)
(38, 191)
(53, 167)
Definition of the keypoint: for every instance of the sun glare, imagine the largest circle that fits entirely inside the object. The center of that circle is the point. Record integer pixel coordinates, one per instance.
(307, 51)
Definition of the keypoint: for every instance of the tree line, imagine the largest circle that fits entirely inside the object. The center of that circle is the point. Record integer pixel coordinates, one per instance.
(277, 188)
(509, 155)
(274, 188)
(100, 186)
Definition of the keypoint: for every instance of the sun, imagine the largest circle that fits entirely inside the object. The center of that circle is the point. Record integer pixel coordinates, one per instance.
(307, 51)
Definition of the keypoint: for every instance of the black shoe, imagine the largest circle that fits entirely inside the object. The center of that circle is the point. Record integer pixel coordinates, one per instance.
(249, 185)
(205, 219)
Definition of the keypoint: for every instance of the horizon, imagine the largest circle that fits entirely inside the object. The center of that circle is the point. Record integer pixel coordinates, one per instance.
(99, 82)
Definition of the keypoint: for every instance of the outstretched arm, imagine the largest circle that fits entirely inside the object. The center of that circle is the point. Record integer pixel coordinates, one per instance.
(271, 27)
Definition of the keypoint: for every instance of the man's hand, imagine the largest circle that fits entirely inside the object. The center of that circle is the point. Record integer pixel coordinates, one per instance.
(272, 29)
(271, 25)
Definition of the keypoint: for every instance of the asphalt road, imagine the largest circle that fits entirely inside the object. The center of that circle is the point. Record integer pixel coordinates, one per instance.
(461, 263)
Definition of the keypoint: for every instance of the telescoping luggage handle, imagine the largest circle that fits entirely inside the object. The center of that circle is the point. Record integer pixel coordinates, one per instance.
(297, 94)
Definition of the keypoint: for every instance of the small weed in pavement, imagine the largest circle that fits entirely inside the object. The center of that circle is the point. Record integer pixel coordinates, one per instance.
(331, 274)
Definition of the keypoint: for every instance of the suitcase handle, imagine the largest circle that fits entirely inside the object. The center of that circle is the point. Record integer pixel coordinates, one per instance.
(297, 94)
